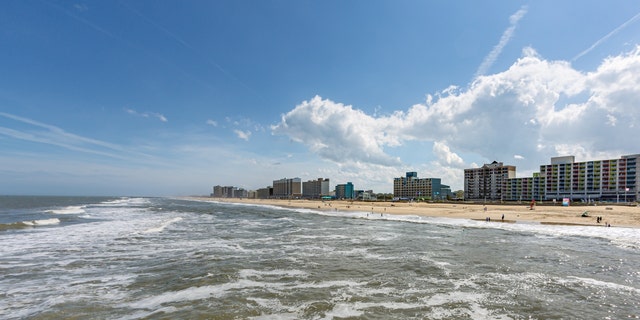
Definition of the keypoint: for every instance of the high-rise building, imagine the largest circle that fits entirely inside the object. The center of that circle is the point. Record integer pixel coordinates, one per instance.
(287, 188)
(229, 192)
(412, 187)
(264, 193)
(601, 180)
(315, 189)
(525, 189)
(606, 180)
(345, 191)
(488, 182)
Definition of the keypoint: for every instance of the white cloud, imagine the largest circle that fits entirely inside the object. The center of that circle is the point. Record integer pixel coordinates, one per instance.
(212, 123)
(444, 154)
(518, 157)
(535, 109)
(147, 114)
(80, 7)
(244, 135)
(338, 132)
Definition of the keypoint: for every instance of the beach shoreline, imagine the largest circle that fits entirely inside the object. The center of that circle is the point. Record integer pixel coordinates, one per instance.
(617, 215)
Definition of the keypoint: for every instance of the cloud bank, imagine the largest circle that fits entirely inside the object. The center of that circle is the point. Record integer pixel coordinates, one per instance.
(534, 110)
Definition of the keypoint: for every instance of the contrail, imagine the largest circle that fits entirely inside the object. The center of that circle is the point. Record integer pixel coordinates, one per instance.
(506, 36)
(87, 22)
(603, 39)
(56, 136)
(138, 47)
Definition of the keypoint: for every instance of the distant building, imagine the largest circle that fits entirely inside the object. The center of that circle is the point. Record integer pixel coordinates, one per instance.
(229, 192)
(445, 192)
(412, 187)
(264, 193)
(365, 195)
(488, 182)
(287, 188)
(345, 191)
(315, 189)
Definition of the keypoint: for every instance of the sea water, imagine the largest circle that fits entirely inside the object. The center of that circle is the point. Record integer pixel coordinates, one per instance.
(163, 258)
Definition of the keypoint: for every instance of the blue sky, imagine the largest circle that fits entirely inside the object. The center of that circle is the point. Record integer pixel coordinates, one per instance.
(173, 97)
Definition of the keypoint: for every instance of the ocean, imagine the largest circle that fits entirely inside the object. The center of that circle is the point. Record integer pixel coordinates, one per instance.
(166, 258)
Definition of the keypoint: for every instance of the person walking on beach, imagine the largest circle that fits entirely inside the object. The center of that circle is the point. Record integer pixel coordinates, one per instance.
(503, 217)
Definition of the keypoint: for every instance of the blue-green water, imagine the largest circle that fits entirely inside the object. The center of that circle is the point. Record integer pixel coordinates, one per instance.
(160, 258)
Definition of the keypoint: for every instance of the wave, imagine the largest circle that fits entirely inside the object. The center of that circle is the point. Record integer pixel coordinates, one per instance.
(125, 201)
(28, 224)
(68, 210)
(608, 285)
(162, 226)
(620, 236)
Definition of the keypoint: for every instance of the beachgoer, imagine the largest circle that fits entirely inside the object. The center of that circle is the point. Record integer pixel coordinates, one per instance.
(503, 217)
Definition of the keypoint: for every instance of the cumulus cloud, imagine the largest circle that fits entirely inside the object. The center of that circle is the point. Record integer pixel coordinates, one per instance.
(444, 154)
(338, 132)
(212, 123)
(535, 109)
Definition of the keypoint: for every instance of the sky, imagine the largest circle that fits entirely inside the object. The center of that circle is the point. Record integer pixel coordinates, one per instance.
(169, 98)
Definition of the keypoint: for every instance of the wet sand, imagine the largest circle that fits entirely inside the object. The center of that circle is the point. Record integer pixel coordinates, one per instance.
(619, 215)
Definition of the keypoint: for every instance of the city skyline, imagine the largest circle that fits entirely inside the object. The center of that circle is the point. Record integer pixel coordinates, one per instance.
(148, 98)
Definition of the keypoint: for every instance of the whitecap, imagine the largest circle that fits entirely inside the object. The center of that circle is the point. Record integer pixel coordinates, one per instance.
(195, 293)
(68, 210)
(161, 227)
(609, 285)
(43, 222)
(252, 273)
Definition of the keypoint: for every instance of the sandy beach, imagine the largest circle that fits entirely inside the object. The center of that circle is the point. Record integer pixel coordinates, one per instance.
(617, 215)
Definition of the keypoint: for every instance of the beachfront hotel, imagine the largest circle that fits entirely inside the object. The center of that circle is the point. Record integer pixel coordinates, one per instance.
(315, 189)
(603, 180)
(412, 187)
(488, 182)
(614, 180)
(345, 191)
(525, 189)
(229, 192)
(287, 188)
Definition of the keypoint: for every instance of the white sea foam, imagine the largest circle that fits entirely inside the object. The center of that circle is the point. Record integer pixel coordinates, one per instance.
(162, 226)
(125, 201)
(344, 310)
(609, 285)
(278, 316)
(329, 284)
(252, 273)
(622, 237)
(43, 222)
(197, 293)
(68, 210)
